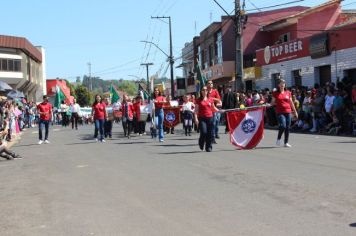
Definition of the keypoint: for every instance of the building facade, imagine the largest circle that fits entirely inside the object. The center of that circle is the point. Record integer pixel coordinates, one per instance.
(22, 66)
(315, 46)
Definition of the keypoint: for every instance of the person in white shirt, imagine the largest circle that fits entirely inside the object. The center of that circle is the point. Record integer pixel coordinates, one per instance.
(75, 110)
(188, 110)
(64, 110)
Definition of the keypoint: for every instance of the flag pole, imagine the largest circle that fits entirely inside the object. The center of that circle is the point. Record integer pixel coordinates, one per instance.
(246, 108)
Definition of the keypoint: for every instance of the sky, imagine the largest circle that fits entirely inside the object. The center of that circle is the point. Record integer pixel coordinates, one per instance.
(107, 33)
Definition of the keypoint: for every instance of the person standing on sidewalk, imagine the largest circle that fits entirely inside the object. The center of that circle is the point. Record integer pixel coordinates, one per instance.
(44, 111)
(282, 98)
(99, 113)
(75, 109)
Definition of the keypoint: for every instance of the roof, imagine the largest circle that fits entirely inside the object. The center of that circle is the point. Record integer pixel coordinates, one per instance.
(22, 44)
(292, 19)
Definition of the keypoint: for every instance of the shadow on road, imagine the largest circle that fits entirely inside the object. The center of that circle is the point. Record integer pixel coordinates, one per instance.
(353, 225)
(79, 143)
(176, 145)
(175, 153)
(27, 145)
(353, 142)
(133, 142)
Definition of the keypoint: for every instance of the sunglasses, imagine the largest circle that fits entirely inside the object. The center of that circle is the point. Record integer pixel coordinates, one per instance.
(210, 83)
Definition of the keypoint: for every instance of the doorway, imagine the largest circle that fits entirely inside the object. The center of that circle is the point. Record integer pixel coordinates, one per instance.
(324, 75)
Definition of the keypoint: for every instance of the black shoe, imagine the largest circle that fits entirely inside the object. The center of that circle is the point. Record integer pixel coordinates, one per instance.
(172, 132)
(189, 134)
(217, 136)
(209, 149)
(201, 146)
(214, 142)
(18, 157)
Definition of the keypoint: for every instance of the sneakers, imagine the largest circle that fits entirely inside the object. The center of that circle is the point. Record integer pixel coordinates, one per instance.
(103, 141)
(40, 142)
(161, 140)
(287, 145)
(46, 141)
(278, 142)
(96, 140)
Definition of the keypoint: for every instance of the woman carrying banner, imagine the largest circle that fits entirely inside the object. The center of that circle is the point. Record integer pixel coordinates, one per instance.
(282, 99)
(204, 117)
(159, 101)
(100, 115)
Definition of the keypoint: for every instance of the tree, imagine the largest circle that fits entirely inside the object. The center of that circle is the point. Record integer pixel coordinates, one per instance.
(71, 88)
(83, 96)
(129, 87)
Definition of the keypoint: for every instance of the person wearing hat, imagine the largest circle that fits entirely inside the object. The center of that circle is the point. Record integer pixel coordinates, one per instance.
(44, 110)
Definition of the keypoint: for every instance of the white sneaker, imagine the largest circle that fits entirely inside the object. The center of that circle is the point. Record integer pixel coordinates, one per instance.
(161, 140)
(278, 143)
(46, 141)
(287, 145)
(103, 141)
(96, 140)
(40, 142)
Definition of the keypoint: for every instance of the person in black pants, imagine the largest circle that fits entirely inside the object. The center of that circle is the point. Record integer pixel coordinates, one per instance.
(229, 102)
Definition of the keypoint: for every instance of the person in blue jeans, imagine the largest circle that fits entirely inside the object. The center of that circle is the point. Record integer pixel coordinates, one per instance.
(100, 115)
(44, 110)
(159, 101)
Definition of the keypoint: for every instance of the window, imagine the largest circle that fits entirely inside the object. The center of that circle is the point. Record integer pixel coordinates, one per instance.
(219, 48)
(4, 64)
(211, 55)
(205, 59)
(17, 65)
(284, 38)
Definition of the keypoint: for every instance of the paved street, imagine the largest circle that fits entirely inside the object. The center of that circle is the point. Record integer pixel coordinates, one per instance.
(75, 186)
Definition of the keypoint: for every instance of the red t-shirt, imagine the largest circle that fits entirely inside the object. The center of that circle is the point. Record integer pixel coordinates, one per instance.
(353, 94)
(283, 102)
(213, 93)
(99, 111)
(205, 107)
(47, 108)
(158, 101)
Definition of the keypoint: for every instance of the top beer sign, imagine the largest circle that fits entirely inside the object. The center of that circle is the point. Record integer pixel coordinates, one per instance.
(283, 52)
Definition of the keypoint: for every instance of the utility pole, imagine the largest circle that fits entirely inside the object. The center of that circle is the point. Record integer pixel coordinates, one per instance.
(239, 86)
(171, 60)
(148, 80)
(90, 82)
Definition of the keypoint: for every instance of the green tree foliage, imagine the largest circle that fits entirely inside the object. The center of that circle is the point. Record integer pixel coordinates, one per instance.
(129, 87)
(71, 88)
(84, 97)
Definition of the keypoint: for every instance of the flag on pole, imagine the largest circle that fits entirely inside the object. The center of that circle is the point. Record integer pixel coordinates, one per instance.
(246, 127)
(113, 94)
(200, 77)
(143, 93)
(59, 97)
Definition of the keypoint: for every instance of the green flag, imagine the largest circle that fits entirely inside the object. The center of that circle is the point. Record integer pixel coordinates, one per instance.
(200, 77)
(59, 97)
(114, 95)
(143, 93)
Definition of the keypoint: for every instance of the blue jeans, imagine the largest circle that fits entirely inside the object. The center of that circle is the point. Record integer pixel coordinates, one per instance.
(42, 123)
(159, 122)
(99, 126)
(216, 122)
(206, 127)
(284, 121)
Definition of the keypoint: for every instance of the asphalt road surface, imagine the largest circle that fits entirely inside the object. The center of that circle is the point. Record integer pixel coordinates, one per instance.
(75, 186)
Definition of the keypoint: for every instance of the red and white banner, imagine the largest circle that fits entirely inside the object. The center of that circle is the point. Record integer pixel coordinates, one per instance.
(246, 127)
(171, 116)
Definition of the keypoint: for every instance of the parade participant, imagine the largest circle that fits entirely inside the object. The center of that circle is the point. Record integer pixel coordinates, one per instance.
(282, 99)
(159, 101)
(204, 117)
(188, 110)
(141, 123)
(127, 110)
(64, 110)
(214, 94)
(109, 121)
(74, 109)
(99, 113)
(229, 102)
(168, 104)
(44, 110)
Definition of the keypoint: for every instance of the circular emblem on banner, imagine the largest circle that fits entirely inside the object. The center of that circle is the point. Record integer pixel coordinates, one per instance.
(170, 117)
(248, 126)
(267, 54)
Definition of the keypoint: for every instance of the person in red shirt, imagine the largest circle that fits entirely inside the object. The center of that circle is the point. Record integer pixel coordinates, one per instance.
(159, 101)
(204, 118)
(282, 98)
(127, 110)
(214, 94)
(141, 121)
(99, 113)
(44, 110)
